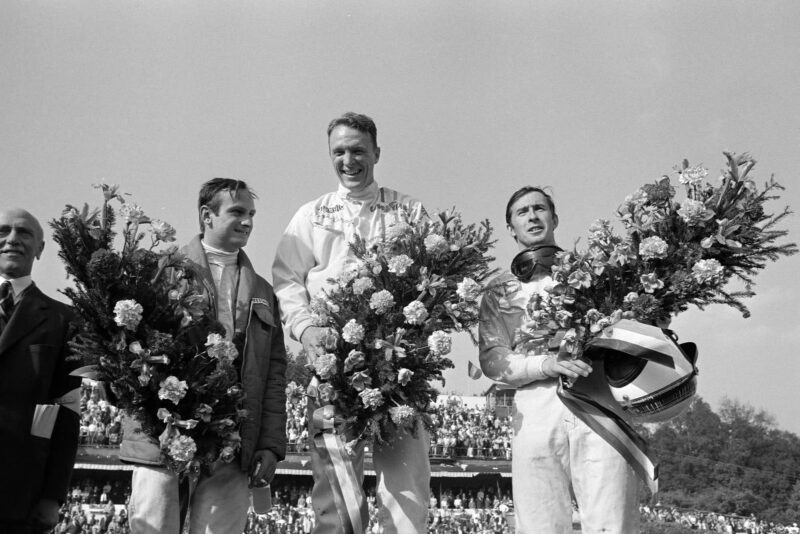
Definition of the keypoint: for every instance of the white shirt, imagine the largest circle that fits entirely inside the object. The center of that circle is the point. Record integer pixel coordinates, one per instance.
(18, 285)
(225, 272)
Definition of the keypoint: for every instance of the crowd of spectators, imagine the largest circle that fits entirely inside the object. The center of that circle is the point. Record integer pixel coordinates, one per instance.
(101, 422)
(460, 431)
(713, 522)
(296, 428)
(470, 432)
(97, 505)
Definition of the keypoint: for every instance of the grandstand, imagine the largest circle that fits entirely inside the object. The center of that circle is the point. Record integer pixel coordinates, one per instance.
(471, 444)
(470, 476)
(470, 469)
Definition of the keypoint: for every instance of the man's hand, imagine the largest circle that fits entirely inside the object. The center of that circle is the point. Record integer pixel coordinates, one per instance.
(262, 468)
(44, 515)
(663, 322)
(571, 368)
(313, 340)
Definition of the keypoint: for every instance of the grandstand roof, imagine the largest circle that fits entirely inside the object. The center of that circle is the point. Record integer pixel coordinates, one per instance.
(107, 459)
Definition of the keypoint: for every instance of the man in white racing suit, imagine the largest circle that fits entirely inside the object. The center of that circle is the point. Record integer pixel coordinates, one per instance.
(314, 248)
(554, 453)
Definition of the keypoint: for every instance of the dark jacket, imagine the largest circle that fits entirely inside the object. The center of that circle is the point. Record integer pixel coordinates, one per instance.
(263, 368)
(34, 371)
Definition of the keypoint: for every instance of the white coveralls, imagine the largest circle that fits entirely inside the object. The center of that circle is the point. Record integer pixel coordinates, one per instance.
(314, 248)
(552, 448)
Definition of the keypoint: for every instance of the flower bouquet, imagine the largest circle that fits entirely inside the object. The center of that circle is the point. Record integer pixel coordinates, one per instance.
(392, 310)
(674, 254)
(145, 330)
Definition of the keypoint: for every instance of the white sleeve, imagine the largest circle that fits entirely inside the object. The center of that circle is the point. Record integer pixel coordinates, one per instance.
(293, 261)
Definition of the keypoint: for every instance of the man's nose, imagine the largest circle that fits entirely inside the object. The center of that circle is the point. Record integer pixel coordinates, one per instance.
(13, 237)
(347, 158)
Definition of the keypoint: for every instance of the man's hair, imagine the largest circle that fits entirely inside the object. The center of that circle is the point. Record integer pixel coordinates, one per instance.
(524, 191)
(357, 121)
(208, 194)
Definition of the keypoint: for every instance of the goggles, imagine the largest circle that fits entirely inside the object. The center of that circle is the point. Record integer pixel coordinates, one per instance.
(532, 261)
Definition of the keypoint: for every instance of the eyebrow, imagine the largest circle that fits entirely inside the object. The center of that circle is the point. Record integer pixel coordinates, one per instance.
(8, 227)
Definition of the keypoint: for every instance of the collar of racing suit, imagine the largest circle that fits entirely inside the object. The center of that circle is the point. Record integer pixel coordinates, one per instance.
(367, 194)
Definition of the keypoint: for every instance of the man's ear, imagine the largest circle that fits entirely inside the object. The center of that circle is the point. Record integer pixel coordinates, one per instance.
(555, 221)
(511, 232)
(41, 249)
(205, 216)
(377, 153)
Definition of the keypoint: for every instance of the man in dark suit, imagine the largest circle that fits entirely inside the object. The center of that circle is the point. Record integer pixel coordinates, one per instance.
(39, 400)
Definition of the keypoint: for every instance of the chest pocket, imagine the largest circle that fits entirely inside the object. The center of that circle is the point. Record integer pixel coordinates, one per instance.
(263, 311)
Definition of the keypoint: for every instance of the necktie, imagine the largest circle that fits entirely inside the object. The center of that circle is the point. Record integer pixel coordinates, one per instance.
(6, 302)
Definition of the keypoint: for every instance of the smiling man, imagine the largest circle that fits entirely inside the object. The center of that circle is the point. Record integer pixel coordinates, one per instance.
(39, 400)
(314, 248)
(246, 306)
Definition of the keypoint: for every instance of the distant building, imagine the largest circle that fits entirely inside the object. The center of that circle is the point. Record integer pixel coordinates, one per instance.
(500, 399)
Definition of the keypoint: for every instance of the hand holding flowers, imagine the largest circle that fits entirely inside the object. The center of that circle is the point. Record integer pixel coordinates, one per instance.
(386, 322)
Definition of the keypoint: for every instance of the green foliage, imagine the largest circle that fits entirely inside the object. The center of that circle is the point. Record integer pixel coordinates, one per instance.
(297, 369)
(733, 462)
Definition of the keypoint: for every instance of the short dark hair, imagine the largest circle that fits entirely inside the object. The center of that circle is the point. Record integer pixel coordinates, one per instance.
(357, 121)
(208, 194)
(524, 191)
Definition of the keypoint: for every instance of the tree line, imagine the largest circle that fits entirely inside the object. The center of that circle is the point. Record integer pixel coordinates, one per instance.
(734, 461)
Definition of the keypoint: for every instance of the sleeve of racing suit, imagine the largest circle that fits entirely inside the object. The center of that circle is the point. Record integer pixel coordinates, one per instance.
(294, 258)
(499, 361)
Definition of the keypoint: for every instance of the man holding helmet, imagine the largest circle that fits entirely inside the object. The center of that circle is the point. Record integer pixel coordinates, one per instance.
(555, 454)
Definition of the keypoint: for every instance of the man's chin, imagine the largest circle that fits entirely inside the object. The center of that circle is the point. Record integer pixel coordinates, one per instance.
(11, 270)
(354, 185)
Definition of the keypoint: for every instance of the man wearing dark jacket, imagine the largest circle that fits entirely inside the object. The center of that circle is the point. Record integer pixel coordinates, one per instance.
(245, 304)
(39, 400)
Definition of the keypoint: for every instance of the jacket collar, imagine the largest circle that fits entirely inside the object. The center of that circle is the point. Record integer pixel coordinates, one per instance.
(195, 253)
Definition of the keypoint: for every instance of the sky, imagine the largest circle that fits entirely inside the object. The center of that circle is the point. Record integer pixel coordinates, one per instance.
(472, 100)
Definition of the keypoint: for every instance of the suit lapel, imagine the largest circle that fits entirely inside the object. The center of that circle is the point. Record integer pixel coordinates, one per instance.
(28, 315)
